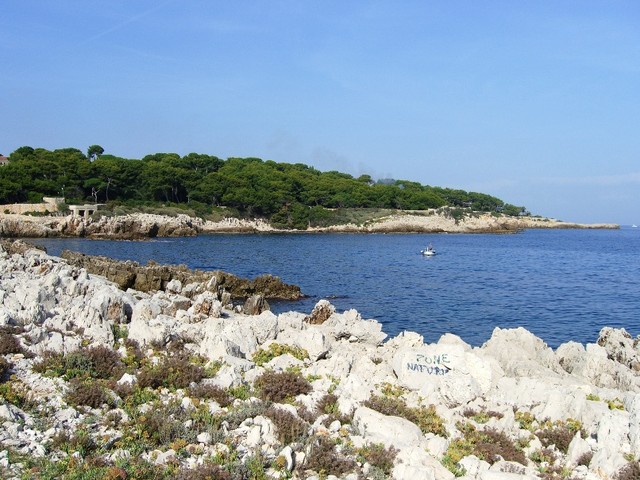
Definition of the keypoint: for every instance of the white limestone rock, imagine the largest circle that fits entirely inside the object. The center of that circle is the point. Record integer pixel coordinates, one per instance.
(456, 374)
(350, 325)
(522, 354)
(390, 431)
(620, 347)
(473, 466)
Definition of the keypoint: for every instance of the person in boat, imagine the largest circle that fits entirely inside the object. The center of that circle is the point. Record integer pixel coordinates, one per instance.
(430, 248)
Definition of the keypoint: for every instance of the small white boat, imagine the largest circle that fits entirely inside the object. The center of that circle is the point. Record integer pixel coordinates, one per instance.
(634, 226)
(428, 252)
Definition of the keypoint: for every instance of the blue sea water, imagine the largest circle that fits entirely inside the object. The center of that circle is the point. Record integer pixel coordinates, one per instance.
(561, 285)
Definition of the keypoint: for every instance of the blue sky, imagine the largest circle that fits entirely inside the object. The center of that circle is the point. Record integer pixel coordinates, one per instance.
(535, 102)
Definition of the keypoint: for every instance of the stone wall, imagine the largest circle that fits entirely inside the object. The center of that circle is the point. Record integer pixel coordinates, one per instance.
(48, 205)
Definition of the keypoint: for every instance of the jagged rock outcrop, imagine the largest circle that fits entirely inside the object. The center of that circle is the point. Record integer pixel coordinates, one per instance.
(320, 313)
(255, 305)
(153, 277)
(124, 227)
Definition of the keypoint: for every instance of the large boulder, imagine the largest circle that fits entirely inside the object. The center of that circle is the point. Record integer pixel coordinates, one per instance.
(620, 347)
(449, 371)
(520, 353)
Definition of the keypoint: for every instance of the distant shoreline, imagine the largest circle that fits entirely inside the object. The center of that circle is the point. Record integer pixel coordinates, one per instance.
(141, 225)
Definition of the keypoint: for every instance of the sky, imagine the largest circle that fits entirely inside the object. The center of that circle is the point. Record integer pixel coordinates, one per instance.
(534, 102)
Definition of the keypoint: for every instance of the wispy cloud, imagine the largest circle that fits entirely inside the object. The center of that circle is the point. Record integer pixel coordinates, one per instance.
(124, 23)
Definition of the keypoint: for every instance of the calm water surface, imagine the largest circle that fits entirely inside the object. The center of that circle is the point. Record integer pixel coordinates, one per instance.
(561, 285)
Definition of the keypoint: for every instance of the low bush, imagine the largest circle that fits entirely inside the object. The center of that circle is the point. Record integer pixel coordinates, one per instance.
(5, 367)
(323, 458)
(488, 445)
(585, 459)
(106, 362)
(379, 456)
(481, 416)
(559, 434)
(211, 392)
(262, 356)
(161, 425)
(206, 471)
(171, 372)
(18, 393)
(328, 405)
(246, 410)
(134, 356)
(492, 446)
(9, 343)
(93, 362)
(289, 427)
(425, 417)
(79, 442)
(630, 471)
(87, 392)
(526, 420)
(279, 386)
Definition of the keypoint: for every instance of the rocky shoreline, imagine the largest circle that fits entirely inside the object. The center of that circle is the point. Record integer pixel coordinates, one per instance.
(140, 226)
(180, 383)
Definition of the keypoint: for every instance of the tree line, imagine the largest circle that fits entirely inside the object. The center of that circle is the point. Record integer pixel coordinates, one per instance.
(287, 194)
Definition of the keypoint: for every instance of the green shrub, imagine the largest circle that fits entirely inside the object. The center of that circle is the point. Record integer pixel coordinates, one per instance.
(559, 434)
(379, 456)
(290, 428)
(87, 392)
(488, 445)
(328, 404)
(425, 417)
(79, 442)
(262, 356)
(171, 372)
(206, 471)
(94, 362)
(134, 356)
(161, 425)
(119, 331)
(324, 459)
(211, 392)
(246, 410)
(525, 420)
(17, 393)
(5, 367)
(630, 471)
(481, 416)
(279, 386)
(9, 343)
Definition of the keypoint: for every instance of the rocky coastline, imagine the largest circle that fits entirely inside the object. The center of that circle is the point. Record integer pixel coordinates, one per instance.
(140, 225)
(98, 381)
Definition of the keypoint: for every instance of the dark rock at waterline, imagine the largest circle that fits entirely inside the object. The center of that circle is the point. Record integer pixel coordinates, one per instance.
(255, 305)
(153, 277)
(18, 246)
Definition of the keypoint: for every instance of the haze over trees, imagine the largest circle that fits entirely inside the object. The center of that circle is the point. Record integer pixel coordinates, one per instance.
(289, 195)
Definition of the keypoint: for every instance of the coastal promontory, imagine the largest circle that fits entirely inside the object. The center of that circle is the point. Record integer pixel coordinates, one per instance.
(136, 226)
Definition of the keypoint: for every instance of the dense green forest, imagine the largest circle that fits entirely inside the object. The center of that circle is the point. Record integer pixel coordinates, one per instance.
(289, 195)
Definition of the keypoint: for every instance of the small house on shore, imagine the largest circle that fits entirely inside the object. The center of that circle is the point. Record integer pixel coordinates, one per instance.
(84, 210)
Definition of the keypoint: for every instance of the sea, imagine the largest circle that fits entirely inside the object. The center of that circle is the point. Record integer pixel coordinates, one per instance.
(561, 285)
